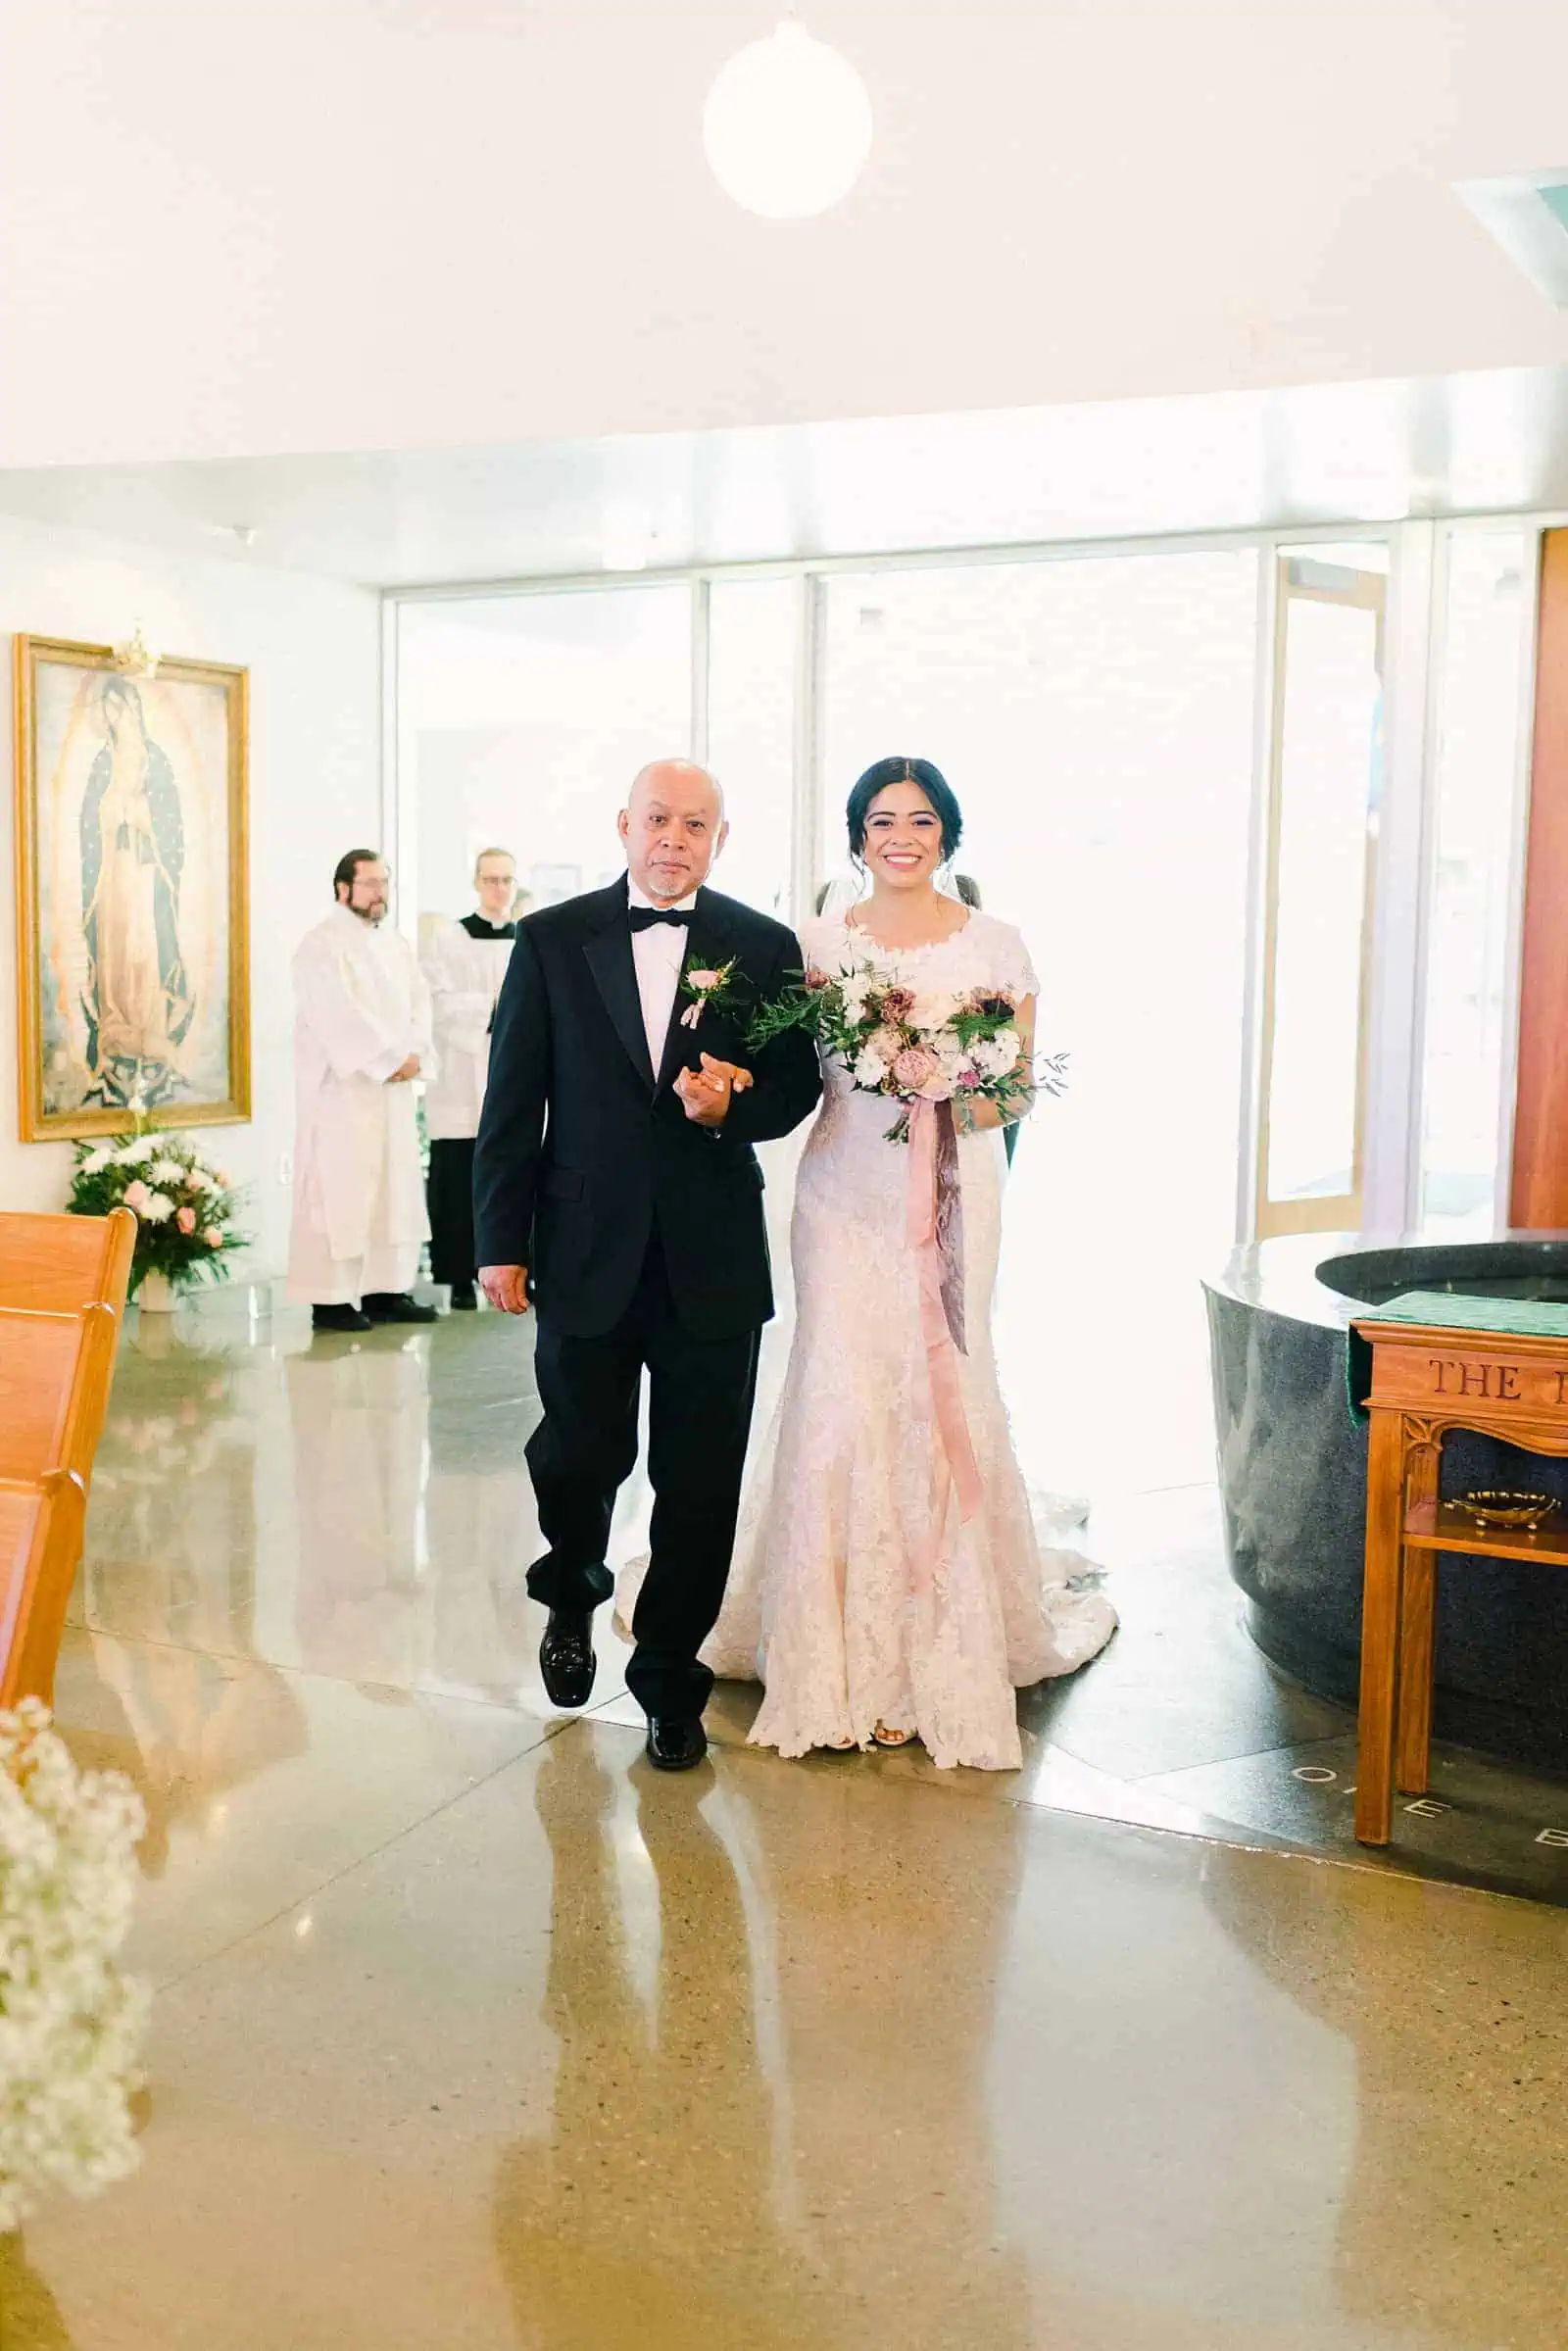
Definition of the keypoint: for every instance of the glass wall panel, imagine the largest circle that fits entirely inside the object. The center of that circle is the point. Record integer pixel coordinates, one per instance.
(1326, 781)
(753, 657)
(1095, 719)
(1477, 781)
(523, 720)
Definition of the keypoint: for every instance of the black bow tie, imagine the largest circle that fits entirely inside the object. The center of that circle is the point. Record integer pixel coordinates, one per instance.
(642, 918)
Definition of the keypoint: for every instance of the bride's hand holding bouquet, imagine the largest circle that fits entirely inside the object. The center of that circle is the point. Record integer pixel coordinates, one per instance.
(911, 1047)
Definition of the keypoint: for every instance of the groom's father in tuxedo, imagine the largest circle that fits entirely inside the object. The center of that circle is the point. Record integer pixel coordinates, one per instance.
(616, 1185)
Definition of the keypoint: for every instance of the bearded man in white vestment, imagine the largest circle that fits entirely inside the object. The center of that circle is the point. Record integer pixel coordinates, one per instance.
(362, 1035)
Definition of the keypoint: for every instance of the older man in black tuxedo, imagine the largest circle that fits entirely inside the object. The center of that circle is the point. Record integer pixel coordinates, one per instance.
(616, 1185)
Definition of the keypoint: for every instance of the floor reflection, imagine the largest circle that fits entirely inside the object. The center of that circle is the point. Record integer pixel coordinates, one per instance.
(770, 2115)
(30, 2318)
(169, 1589)
(1424, 2201)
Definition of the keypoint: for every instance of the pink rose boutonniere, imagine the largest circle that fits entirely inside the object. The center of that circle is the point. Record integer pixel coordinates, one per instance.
(708, 991)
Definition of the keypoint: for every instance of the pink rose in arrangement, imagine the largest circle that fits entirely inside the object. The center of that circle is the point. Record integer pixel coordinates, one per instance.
(213, 1236)
(897, 1003)
(915, 1068)
(966, 1077)
(186, 1220)
(137, 1196)
(814, 978)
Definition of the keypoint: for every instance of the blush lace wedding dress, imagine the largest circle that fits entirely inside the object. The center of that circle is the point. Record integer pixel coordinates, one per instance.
(858, 1594)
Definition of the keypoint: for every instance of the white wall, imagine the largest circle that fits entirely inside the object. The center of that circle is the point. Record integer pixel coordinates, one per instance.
(313, 650)
(284, 226)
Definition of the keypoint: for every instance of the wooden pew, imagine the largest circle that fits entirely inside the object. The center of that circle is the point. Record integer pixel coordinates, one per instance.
(61, 1298)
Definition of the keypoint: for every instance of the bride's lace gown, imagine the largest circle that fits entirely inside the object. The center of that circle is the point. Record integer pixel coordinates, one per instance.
(839, 1601)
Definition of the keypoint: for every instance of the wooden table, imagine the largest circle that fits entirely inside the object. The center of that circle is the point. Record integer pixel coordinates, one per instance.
(1426, 1380)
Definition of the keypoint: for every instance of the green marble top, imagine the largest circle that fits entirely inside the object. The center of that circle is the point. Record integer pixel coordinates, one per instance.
(1526, 1316)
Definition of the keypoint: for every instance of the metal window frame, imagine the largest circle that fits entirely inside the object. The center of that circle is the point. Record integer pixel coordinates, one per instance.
(1401, 922)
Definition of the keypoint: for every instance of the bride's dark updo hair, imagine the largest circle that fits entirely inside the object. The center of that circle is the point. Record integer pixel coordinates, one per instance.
(932, 782)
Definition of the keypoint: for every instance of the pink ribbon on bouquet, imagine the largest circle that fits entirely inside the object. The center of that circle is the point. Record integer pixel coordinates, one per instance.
(935, 1231)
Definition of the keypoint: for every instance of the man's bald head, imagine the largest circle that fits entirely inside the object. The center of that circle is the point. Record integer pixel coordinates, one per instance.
(672, 828)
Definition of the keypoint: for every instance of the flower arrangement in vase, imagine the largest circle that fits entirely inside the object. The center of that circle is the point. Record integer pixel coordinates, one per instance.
(184, 1209)
(71, 2023)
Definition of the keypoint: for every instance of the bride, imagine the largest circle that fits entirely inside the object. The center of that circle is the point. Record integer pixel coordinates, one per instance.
(871, 1604)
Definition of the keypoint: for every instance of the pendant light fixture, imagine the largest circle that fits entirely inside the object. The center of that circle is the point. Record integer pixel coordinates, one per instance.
(787, 125)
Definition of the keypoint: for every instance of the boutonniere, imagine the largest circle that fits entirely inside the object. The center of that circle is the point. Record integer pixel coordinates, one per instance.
(708, 991)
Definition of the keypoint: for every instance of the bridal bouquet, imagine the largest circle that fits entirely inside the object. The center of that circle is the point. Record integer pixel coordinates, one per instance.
(914, 1046)
(184, 1205)
(71, 2023)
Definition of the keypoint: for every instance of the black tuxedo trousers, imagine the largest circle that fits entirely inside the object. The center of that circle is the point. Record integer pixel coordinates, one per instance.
(644, 1237)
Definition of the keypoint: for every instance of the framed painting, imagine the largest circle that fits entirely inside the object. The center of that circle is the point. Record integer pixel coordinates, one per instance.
(133, 913)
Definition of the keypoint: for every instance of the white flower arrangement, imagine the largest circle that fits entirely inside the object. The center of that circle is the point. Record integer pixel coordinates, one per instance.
(184, 1207)
(71, 2023)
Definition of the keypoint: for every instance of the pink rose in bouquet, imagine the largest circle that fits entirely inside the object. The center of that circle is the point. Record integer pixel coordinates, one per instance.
(915, 1068)
(213, 1236)
(186, 1220)
(137, 1196)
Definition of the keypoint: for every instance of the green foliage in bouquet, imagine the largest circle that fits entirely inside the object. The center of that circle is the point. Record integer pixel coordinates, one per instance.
(184, 1207)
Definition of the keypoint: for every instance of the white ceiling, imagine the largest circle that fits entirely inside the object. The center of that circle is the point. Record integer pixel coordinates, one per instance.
(1352, 453)
(288, 225)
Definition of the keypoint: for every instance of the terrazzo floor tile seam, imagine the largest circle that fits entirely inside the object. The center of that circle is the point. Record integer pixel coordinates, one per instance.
(1246, 1842)
(1247, 1839)
(360, 1861)
(314, 1673)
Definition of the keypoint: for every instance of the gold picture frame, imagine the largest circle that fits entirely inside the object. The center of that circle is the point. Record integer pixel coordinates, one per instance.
(132, 892)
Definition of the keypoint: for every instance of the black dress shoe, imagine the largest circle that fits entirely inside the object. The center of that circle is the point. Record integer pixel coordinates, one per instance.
(338, 1318)
(396, 1305)
(566, 1658)
(465, 1298)
(676, 1741)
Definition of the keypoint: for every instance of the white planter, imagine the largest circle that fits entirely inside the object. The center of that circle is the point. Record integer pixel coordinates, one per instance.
(157, 1294)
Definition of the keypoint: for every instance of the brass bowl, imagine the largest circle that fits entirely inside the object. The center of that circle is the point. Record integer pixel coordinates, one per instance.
(1496, 1507)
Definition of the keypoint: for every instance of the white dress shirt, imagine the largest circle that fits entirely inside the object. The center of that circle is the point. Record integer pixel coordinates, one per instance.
(658, 952)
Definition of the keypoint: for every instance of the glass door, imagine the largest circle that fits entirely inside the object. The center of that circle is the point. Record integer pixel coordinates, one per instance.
(1324, 791)
(1095, 718)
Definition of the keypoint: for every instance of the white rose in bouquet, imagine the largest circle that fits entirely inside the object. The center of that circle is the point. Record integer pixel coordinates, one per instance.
(158, 1208)
(870, 1069)
(994, 1055)
(933, 1012)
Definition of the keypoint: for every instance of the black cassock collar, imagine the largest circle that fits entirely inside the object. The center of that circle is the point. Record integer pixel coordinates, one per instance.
(477, 928)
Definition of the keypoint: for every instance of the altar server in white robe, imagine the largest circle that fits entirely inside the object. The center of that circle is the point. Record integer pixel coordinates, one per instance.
(464, 967)
(362, 1035)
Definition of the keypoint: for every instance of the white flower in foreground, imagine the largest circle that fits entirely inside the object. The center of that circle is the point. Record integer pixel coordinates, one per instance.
(158, 1208)
(71, 2024)
(96, 1161)
(131, 1154)
(168, 1171)
(870, 1070)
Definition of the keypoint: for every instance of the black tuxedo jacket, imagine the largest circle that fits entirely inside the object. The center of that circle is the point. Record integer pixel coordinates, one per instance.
(582, 1144)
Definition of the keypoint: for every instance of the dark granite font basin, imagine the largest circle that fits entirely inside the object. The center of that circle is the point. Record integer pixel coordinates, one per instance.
(1293, 1476)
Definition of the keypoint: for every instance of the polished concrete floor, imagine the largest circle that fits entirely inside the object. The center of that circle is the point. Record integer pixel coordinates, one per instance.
(471, 2032)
